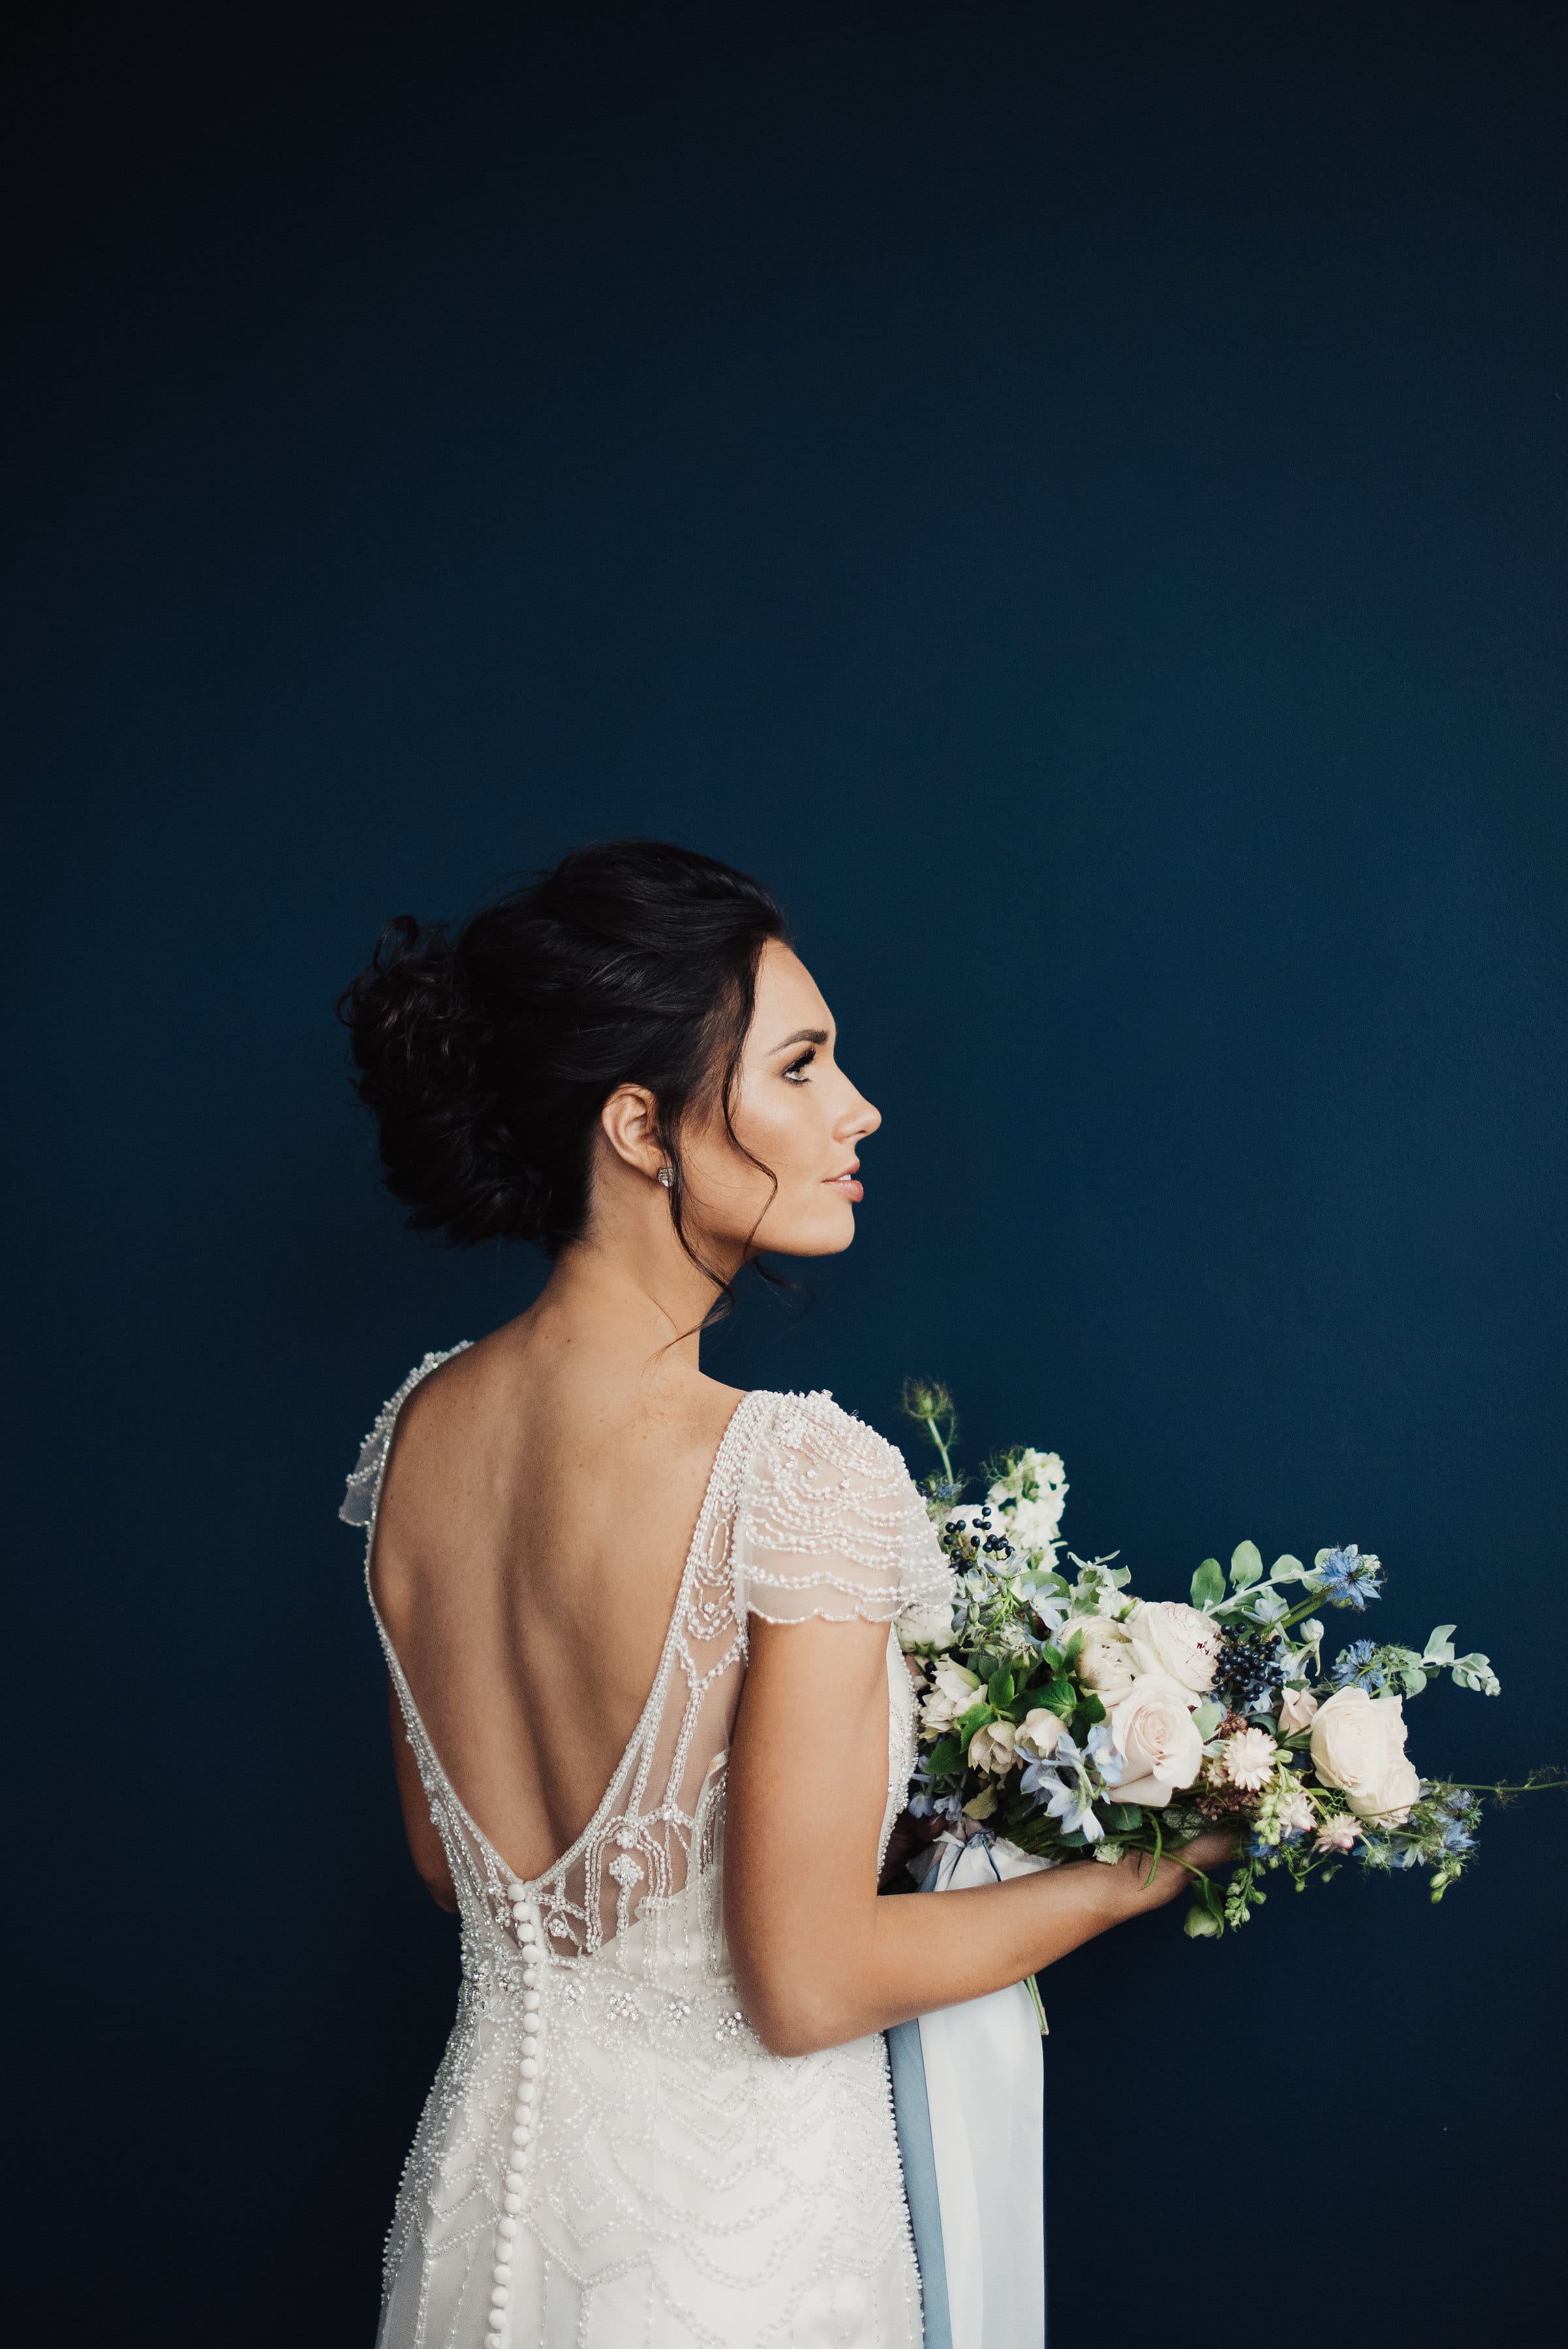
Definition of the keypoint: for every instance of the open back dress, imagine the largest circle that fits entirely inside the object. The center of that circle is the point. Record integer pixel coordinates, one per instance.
(610, 2158)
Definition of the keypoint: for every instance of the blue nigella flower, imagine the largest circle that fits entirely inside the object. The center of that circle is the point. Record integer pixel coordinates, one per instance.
(1347, 1579)
(1350, 1666)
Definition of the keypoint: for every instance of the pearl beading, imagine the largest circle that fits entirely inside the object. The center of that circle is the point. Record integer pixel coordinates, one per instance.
(519, 2158)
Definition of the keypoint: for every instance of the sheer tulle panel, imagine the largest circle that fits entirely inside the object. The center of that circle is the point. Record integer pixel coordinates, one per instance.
(658, 1816)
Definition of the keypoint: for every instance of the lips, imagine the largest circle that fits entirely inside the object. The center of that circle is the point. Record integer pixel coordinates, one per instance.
(847, 1181)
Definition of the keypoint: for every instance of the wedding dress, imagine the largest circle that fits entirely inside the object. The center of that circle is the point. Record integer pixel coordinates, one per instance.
(610, 2158)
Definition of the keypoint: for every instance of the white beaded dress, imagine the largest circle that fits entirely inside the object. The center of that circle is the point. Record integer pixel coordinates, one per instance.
(610, 2158)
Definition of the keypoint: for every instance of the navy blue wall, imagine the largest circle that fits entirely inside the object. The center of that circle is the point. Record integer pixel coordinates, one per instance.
(1074, 497)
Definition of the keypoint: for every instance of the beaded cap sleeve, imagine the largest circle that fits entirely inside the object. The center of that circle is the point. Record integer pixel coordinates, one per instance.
(829, 1522)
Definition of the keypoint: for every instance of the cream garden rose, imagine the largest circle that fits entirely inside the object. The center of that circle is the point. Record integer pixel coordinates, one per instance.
(1155, 1734)
(1358, 1746)
(1167, 1636)
(927, 1627)
(1039, 1732)
(1104, 1657)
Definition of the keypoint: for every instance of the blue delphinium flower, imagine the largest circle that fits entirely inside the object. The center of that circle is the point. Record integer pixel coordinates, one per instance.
(1347, 1579)
(1353, 1668)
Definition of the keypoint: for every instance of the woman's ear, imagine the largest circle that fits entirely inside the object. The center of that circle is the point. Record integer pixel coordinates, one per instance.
(630, 1123)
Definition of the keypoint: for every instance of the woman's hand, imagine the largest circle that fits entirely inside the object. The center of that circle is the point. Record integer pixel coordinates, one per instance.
(1215, 1847)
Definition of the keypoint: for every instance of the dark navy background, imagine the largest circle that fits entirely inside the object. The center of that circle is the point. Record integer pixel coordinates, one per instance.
(1074, 497)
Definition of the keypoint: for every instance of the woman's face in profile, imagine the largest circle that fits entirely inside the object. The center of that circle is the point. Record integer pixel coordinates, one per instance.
(795, 1111)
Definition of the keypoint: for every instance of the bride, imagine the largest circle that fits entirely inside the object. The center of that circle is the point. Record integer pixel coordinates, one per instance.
(652, 1727)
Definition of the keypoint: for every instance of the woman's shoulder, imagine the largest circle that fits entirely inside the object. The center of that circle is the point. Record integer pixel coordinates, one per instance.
(815, 1432)
(830, 1521)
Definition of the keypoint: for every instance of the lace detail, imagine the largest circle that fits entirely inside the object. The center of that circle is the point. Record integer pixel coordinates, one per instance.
(609, 2155)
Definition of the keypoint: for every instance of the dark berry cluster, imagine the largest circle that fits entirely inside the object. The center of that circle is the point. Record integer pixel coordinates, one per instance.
(1250, 1667)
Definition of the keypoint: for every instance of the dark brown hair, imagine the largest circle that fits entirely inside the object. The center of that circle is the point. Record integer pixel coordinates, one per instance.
(488, 1050)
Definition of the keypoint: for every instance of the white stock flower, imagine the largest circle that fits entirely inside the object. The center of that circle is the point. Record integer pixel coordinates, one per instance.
(952, 1693)
(1105, 1661)
(1168, 1635)
(1358, 1746)
(1158, 1740)
(992, 1748)
(1031, 1498)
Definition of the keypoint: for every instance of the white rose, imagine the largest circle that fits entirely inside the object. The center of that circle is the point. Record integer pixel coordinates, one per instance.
(992, 1748)
(927, 1627)
(1168, 1637)
(1105, 1657)
(1038, 1734)
(1297, 1707)
(1358, 1746)
(1154, 1732)
(952, 1693)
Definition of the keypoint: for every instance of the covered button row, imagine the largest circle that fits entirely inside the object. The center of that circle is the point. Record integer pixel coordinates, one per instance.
(522, 2125)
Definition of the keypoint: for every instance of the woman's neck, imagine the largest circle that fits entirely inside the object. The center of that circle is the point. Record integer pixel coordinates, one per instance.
(648, 1301)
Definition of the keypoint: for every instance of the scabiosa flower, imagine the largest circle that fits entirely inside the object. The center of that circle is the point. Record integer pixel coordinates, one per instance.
(1248, 1759)
(1347, 1579)
(1339, 1833)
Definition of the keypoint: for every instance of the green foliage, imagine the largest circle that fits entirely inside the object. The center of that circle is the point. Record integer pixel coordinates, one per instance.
(1246, 1564)
(1209, 1584)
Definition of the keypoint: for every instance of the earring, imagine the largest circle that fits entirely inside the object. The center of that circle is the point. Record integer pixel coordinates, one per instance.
(666, 1175)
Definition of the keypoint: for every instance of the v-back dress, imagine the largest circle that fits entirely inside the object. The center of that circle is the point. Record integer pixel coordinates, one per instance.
(610, 2158)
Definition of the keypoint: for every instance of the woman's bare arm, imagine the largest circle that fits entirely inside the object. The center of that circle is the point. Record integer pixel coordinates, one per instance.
(819, 1958)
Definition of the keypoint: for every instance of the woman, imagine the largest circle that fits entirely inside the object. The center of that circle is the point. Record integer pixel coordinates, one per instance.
(651, 1722)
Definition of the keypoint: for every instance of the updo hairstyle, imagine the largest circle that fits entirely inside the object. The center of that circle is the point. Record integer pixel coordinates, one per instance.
(488, 1050)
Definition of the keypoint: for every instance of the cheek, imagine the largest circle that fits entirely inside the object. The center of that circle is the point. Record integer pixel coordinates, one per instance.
(785, 1134)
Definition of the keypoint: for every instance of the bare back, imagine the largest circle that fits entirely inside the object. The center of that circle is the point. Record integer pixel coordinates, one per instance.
(534, 1523)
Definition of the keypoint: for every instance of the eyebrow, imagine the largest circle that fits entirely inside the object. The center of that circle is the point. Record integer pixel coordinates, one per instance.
(803, 1036)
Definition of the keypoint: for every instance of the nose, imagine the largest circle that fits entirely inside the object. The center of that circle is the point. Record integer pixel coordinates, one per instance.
(858, 1120)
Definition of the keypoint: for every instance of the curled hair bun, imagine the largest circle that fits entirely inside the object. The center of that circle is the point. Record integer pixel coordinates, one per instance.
(488, 1051)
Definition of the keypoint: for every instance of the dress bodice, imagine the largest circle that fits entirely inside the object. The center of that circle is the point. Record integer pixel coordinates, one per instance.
(601, 1991)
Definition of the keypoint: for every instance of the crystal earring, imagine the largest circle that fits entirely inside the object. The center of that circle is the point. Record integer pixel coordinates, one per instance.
(666, 1175)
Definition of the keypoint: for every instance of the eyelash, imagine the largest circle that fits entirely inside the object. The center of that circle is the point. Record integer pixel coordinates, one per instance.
(794, 1073)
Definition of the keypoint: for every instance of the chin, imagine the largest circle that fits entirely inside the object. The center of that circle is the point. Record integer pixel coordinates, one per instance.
(819, 1234)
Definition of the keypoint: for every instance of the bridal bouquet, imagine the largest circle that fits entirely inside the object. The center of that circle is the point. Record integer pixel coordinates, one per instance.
(1064, 1713)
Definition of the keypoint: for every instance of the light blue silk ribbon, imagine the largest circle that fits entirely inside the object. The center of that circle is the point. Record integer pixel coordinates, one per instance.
(969, 2100)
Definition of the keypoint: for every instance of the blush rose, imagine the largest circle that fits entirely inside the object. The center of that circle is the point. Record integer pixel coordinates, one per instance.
(1155, 1734)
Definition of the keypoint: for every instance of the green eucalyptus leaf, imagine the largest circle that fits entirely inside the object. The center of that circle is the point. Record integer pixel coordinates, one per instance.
(1207, 1719)
(1209, 1584)
(1287, 1568)
(1246, 1564)
(1413, 1680)
(1439, 1646)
